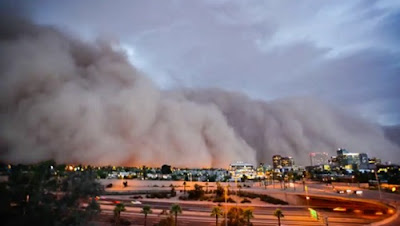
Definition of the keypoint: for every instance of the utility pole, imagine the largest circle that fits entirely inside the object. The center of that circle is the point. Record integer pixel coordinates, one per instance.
(226, 206)
(307, 197)
(237, 195)
(379, 185)
(326, 221)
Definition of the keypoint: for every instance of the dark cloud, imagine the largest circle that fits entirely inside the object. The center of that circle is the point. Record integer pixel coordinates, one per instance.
(296, 126)
(294, 62)
(83, 102)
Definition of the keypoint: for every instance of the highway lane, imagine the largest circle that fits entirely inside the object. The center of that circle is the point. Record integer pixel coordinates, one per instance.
(190, 218)
(264, 215)
(334, 218)
(194, 218)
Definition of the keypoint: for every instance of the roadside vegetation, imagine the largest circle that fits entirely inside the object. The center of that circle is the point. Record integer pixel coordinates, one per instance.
(38, 195)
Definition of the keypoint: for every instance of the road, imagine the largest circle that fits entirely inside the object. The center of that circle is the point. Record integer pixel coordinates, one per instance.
(197, 213)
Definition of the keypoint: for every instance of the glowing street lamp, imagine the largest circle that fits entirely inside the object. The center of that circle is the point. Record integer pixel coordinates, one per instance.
(379, 186)
(226, 206)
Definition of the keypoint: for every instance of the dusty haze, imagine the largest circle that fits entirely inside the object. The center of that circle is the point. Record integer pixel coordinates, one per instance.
(72, 101)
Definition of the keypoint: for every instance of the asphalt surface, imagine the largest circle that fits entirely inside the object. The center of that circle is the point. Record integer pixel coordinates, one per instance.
(198, 213)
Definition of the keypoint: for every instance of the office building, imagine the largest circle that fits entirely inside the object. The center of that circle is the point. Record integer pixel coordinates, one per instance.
(319, 158)
(276, 161)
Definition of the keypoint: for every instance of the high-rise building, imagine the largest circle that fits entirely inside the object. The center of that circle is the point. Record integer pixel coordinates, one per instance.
(276, 161)
(319, 158)
(341, 151)
(352, 161)
(364, 163)
(375, 161)
(241, 169)
(287, 161)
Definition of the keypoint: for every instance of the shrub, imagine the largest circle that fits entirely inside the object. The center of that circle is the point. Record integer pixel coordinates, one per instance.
(136, 197)
(196, 193)
(263, 197)
(158, 195)
(245, 201)
(173, 192)
(219, 199)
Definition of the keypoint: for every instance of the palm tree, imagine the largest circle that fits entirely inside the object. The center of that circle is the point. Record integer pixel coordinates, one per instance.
(278, 213)
(216, 212)
(184, 187)
(117, 212)
(146, 210)
(248, 214)
(176, 209)
(235, 216)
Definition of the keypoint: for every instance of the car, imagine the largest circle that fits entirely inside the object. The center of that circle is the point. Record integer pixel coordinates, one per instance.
(340, 209)
(358, 192)
(136, 202)
(340, 191)
(116, 202)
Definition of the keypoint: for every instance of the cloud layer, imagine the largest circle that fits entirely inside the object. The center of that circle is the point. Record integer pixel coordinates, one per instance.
(344, 52)
(297, 126)
(84, 102)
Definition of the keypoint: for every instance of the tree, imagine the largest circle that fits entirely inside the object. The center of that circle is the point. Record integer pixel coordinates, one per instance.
(220, 191)
(196, 193)
(146, 210)
(144, 172)
(278, 213)
(173, 192)
(235, 217)
(37, 195)
(166, 169)
(184, 187)
(168, 221)
(117, 212)
(175, 210)
(216, 212)
(248, 214)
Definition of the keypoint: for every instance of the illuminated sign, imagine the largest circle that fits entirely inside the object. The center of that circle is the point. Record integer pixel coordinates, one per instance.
(313, 213)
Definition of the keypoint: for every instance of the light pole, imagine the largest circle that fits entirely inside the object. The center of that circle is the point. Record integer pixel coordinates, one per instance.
(237, 195)
(307, 197)
(226, 206)
(379, 186)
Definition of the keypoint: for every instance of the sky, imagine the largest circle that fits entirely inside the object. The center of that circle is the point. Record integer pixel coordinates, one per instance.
(344, 52)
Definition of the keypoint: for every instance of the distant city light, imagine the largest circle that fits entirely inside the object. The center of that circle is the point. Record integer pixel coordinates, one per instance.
(339, 209)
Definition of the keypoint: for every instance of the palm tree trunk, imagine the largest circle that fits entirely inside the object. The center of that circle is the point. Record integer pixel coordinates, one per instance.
(279, 221)
(117, 217)
(176, 218)
(216, 219)
(145, 219)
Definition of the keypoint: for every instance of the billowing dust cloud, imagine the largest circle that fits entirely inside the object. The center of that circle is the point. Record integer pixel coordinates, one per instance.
(78, 102)
(297, 126)
(72, 101)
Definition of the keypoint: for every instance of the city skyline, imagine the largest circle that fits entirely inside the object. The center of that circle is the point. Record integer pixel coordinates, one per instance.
(206, 112)
(88, 96)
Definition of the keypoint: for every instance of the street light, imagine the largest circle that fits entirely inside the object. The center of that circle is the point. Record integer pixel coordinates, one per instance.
(236, 185)
(226, 206)
(379, 186)
(307, 197)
